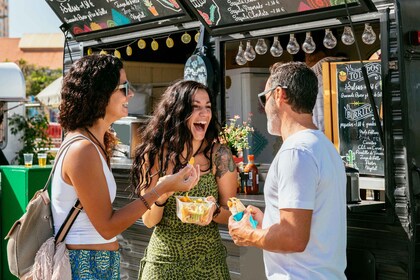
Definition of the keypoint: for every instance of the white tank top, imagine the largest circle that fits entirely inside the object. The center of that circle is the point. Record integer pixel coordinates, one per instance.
(63, 197)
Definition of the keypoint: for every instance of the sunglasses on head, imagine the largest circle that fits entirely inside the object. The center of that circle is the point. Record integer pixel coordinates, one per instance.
(126, 87)
(262, 96)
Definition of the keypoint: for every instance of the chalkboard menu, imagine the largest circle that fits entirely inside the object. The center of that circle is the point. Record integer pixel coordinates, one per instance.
(358, 137)
(87, 16)
(218, 14)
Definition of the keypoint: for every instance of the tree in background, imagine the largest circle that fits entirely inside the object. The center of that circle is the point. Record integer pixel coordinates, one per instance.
(37, 78)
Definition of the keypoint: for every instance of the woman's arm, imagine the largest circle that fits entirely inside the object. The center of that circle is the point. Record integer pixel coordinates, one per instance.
(227, 180)
(82, 168)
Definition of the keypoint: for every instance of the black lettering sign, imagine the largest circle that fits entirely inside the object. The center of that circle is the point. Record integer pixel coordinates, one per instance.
(85, 16)
(359, 140)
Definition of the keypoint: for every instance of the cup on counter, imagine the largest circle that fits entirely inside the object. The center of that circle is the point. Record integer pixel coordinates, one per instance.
(28, 159)
(42, 159)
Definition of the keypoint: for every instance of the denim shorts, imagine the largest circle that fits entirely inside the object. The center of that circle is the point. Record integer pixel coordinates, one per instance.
(94, 265)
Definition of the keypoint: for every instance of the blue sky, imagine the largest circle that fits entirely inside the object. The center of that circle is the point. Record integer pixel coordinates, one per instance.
(31, 16)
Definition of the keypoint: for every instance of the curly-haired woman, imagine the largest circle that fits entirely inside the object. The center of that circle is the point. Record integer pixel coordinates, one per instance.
(184, 125)
(95, 93)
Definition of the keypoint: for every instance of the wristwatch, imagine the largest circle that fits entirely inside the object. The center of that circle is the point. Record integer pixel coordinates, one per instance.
(217, 211)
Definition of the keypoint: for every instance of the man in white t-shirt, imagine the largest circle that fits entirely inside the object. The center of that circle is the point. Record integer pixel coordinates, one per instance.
(303, 229)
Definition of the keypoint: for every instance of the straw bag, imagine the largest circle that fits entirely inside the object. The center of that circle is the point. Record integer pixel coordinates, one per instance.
(35, 227)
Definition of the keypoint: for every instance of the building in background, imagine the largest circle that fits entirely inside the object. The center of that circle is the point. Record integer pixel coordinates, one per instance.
(4, 18)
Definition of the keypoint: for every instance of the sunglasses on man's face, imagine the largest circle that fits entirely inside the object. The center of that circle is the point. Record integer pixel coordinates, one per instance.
(126, 87)
(262, 96)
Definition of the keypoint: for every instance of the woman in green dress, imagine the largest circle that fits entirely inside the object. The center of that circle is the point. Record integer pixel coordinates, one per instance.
(183, 126)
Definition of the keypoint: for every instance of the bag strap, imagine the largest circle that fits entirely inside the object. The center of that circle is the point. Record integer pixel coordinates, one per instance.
(75, 210)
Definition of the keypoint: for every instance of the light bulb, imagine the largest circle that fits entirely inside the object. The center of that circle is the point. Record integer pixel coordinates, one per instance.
(155, 45)
(368, 36)
(117, 53)
(249, 52)
(309, 45)
(129, 51)
(276, 49)
(347, 38)
(197, 36)
(329, 40)
(261, 47)
(89, 51)
(240, 58)
(103, 52)
(186, 38)
(292, 46)
(169, 42)
(141, 44)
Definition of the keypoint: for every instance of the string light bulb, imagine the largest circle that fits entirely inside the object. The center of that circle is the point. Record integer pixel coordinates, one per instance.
(348, 37)
(141, 44)
(89, 51)
(197, 36)
(329, 39)
(128, 51)
(249, 51)
(261, 47)
(117, 53)
(186, 38)
(309, 45)
(276, 49)
(292, 46)
(155, 45)
(368, 36)
(240, 57)
(169, 42)
(103, 52)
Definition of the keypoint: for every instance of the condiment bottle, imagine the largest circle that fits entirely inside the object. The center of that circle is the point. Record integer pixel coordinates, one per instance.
(240, 170)
(251, 186)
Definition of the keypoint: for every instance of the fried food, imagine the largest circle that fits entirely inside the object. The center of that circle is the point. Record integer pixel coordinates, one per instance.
(235, 205)
(191, 161)
(194, 210)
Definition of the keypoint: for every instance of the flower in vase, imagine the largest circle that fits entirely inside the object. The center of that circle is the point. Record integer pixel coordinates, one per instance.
(235, 135)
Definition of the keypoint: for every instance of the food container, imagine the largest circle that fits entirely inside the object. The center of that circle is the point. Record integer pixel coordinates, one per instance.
(194, 210)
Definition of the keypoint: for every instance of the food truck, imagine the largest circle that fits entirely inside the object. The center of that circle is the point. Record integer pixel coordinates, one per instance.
(371, 100)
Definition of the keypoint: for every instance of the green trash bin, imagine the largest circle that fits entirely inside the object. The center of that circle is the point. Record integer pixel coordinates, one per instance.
(18, 185)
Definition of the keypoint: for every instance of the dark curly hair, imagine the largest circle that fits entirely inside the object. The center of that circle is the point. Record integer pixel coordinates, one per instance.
(167, 133)
(86, 91)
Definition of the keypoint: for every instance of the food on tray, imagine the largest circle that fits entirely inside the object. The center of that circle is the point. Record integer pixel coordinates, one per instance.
(194, 210)
(235, 205)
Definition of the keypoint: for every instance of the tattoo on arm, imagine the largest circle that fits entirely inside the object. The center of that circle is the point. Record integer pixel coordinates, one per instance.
(223, 161)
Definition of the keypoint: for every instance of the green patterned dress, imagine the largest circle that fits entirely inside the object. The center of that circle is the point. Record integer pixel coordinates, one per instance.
(185, 251)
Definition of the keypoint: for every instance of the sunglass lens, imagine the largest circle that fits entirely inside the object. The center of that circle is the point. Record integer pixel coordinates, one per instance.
(262, 100)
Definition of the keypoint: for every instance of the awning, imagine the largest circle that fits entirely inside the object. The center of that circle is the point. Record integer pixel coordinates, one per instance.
(50, 95)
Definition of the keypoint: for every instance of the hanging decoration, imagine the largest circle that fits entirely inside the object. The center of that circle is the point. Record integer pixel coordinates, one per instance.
(186, 38)
(240, 56)
(368, 36)
(141, 44)
(348, 37)
(261, 47)
(117, 53)
(128, 51)
(154, 45)
(329, 39)
(169, 42)
(293, 46)
(309, 45)
(276, 49)
(249, 51)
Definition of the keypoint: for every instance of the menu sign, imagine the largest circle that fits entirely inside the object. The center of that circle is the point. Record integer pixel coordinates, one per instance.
(230, 12)
(85, 16)
(359, 141)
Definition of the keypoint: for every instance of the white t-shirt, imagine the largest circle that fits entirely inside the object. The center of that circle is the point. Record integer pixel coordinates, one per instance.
(308, 173)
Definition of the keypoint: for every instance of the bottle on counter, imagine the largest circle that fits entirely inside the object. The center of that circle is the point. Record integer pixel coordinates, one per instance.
(252, 184)
(240, 170)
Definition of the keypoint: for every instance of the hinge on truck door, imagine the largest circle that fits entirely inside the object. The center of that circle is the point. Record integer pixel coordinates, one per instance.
(393, 65)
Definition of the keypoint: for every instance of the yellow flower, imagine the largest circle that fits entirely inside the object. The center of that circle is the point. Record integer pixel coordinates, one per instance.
(236, 135)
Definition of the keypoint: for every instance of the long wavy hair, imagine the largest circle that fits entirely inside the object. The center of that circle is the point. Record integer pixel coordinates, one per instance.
(167, 134)
(86, 91)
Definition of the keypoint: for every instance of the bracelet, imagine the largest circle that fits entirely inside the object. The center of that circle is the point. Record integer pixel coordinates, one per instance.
(145, 202)
(163, 204)
(217, 211)
(155, 192)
